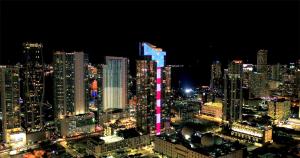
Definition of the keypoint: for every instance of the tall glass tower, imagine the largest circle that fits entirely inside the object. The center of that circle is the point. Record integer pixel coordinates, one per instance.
(69, 84)
(33, 86)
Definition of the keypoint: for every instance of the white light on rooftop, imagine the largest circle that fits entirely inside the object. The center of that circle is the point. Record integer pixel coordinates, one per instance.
(188, 90)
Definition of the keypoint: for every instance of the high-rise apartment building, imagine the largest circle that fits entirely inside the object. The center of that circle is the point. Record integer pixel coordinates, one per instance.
(233, 91)
(161, 107)
(33, 86)
(115, 73)
(69, 84)
(10, 101)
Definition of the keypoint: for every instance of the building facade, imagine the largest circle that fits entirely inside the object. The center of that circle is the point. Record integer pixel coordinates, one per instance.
(115, 73)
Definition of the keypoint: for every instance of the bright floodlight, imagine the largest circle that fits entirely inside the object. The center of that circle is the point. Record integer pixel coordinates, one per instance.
(188, 90)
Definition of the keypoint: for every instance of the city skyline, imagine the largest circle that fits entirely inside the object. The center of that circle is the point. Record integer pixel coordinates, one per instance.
(92, 79)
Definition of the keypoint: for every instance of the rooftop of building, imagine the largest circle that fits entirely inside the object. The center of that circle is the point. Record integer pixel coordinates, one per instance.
(203, 143)
(111, 139)
(121, 135)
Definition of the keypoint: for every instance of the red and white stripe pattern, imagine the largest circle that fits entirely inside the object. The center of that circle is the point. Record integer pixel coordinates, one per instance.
(158, 99)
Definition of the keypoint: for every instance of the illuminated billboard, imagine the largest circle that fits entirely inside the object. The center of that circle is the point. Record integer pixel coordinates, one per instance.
(159, 56)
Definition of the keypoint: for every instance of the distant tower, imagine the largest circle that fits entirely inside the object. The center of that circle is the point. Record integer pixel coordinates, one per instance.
(33, 86)
(115, 77)
(233, 91)
(262, 56)
(275, 72)
(69, 84)
(216, 76)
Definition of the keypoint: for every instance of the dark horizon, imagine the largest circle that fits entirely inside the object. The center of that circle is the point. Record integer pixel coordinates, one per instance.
(197, 33)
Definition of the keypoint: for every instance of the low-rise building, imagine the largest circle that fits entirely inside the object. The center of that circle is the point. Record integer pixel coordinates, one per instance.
(77, 125)
(180, 149)
(261, 134)
(101, 147)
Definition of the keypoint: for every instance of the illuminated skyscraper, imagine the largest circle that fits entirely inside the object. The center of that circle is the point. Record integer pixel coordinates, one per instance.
(10, 94)
(115, 74)
(69, 84)
(146, 95)
(33, 86)
(158, 55)
(216, 76)
(10, 98)
(233, 91)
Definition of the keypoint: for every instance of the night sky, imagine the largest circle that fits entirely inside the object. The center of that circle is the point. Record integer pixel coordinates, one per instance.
(193, 33)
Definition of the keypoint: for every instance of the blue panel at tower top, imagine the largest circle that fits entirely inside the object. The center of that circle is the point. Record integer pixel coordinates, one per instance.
(156, 54)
